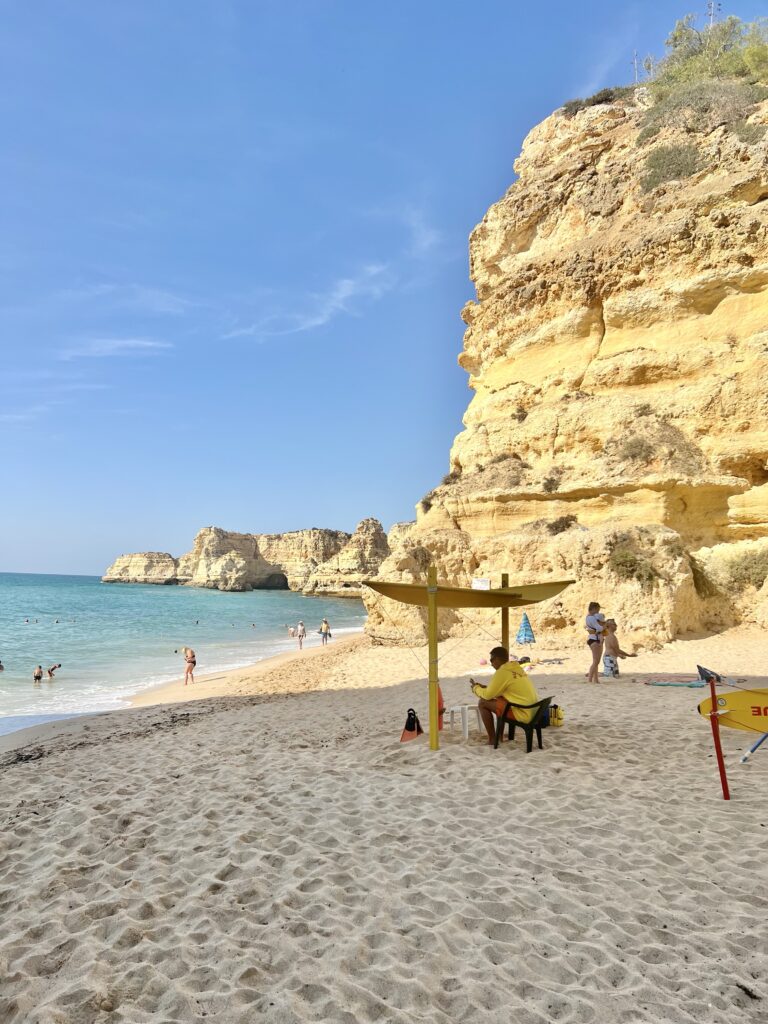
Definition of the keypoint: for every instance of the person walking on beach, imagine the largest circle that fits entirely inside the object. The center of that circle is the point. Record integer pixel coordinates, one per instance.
(325, 632)
(52, 671)
(37, 675)
(612, 651)
(301, 633)
(190, 660)
(595, 625)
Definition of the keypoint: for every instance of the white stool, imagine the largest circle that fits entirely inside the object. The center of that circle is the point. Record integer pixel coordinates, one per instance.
(463, 710)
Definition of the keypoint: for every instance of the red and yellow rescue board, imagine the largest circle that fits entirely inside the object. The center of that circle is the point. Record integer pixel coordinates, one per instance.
(464, 597)
(740, 709)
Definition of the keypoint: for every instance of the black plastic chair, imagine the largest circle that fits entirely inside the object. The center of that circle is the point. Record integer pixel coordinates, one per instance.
(540, 720)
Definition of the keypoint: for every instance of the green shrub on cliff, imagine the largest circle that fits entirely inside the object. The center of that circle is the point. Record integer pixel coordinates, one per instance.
(669, 163)
(710, 76)
(748, 133)
(702, 106)
(615, 94)
(561, 524)
(748, 569)
(628, 565)
(727, 49)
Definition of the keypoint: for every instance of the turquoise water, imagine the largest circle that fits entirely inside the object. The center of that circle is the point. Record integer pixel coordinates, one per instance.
(114, 640)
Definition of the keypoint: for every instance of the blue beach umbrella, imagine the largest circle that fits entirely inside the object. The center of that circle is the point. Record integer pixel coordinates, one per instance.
(525, 633)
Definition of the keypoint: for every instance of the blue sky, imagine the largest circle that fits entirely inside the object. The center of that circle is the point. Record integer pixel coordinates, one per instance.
(234, 251)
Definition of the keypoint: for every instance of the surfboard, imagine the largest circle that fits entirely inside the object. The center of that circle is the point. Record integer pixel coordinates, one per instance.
(740, 709)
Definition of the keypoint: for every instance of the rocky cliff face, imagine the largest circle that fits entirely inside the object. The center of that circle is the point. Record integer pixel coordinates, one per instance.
(221, 560)
(316, 561)
(618, 350)
(146, 567)
(342, 575)
(301, 552)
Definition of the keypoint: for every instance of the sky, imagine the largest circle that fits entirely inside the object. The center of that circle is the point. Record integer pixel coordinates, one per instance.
(234, 251)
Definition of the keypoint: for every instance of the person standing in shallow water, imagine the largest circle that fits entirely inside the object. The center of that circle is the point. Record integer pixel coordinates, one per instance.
(37, 675)
(325, 632)
(595, 626)
(301, 632)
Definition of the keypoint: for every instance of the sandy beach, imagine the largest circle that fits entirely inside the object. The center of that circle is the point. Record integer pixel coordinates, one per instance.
(270, 851)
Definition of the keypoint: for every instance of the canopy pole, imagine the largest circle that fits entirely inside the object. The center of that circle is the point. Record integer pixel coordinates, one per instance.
(434, 742)
(505, 615)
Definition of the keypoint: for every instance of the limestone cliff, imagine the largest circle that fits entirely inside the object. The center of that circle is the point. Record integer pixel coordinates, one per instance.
(617, 350)
(299, 553)
(146, 567)
(223, 560)
(343, 574)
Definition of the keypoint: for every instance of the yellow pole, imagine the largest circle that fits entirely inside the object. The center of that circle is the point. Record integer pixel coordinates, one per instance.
(434, 743)
(505, 615)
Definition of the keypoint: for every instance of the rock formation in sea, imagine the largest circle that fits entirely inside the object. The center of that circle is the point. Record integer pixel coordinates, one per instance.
(617, 351)
(316, 561)
(143, 567)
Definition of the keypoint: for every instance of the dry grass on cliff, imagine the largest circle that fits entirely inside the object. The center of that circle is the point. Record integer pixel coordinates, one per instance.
(627, 564)
(670, 163)
(747, 569)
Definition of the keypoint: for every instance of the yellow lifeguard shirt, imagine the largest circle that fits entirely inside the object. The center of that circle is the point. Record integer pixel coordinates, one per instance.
(513, 684)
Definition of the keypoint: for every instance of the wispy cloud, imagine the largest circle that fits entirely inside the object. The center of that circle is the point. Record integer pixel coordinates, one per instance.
(24, 415)
(342, 298)
(105, 348)
(615, 52)
(423, 236)
(139, 297)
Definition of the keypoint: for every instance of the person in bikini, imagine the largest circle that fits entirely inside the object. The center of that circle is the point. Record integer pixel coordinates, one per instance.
(190, 660)
(595, 626)
(52, 671)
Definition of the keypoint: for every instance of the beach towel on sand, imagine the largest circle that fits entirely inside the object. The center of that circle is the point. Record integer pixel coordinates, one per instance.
(674, 681)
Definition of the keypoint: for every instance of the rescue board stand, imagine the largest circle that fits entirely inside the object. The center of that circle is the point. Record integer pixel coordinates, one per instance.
(712, 678)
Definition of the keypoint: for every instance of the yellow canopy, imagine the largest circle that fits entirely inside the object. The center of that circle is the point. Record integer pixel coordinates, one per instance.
(464, 597)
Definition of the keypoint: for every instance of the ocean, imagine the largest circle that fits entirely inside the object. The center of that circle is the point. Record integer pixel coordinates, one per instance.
(114, 640)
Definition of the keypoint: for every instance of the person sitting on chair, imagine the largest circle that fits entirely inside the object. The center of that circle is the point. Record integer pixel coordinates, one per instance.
(509, 683)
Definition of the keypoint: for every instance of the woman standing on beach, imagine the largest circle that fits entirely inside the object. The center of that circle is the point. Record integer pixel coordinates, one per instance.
(301, 632)
(190, 660)
(595, 625)
(325, 632)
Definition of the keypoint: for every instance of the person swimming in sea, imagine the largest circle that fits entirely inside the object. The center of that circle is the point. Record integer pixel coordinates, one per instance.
(52, 670)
